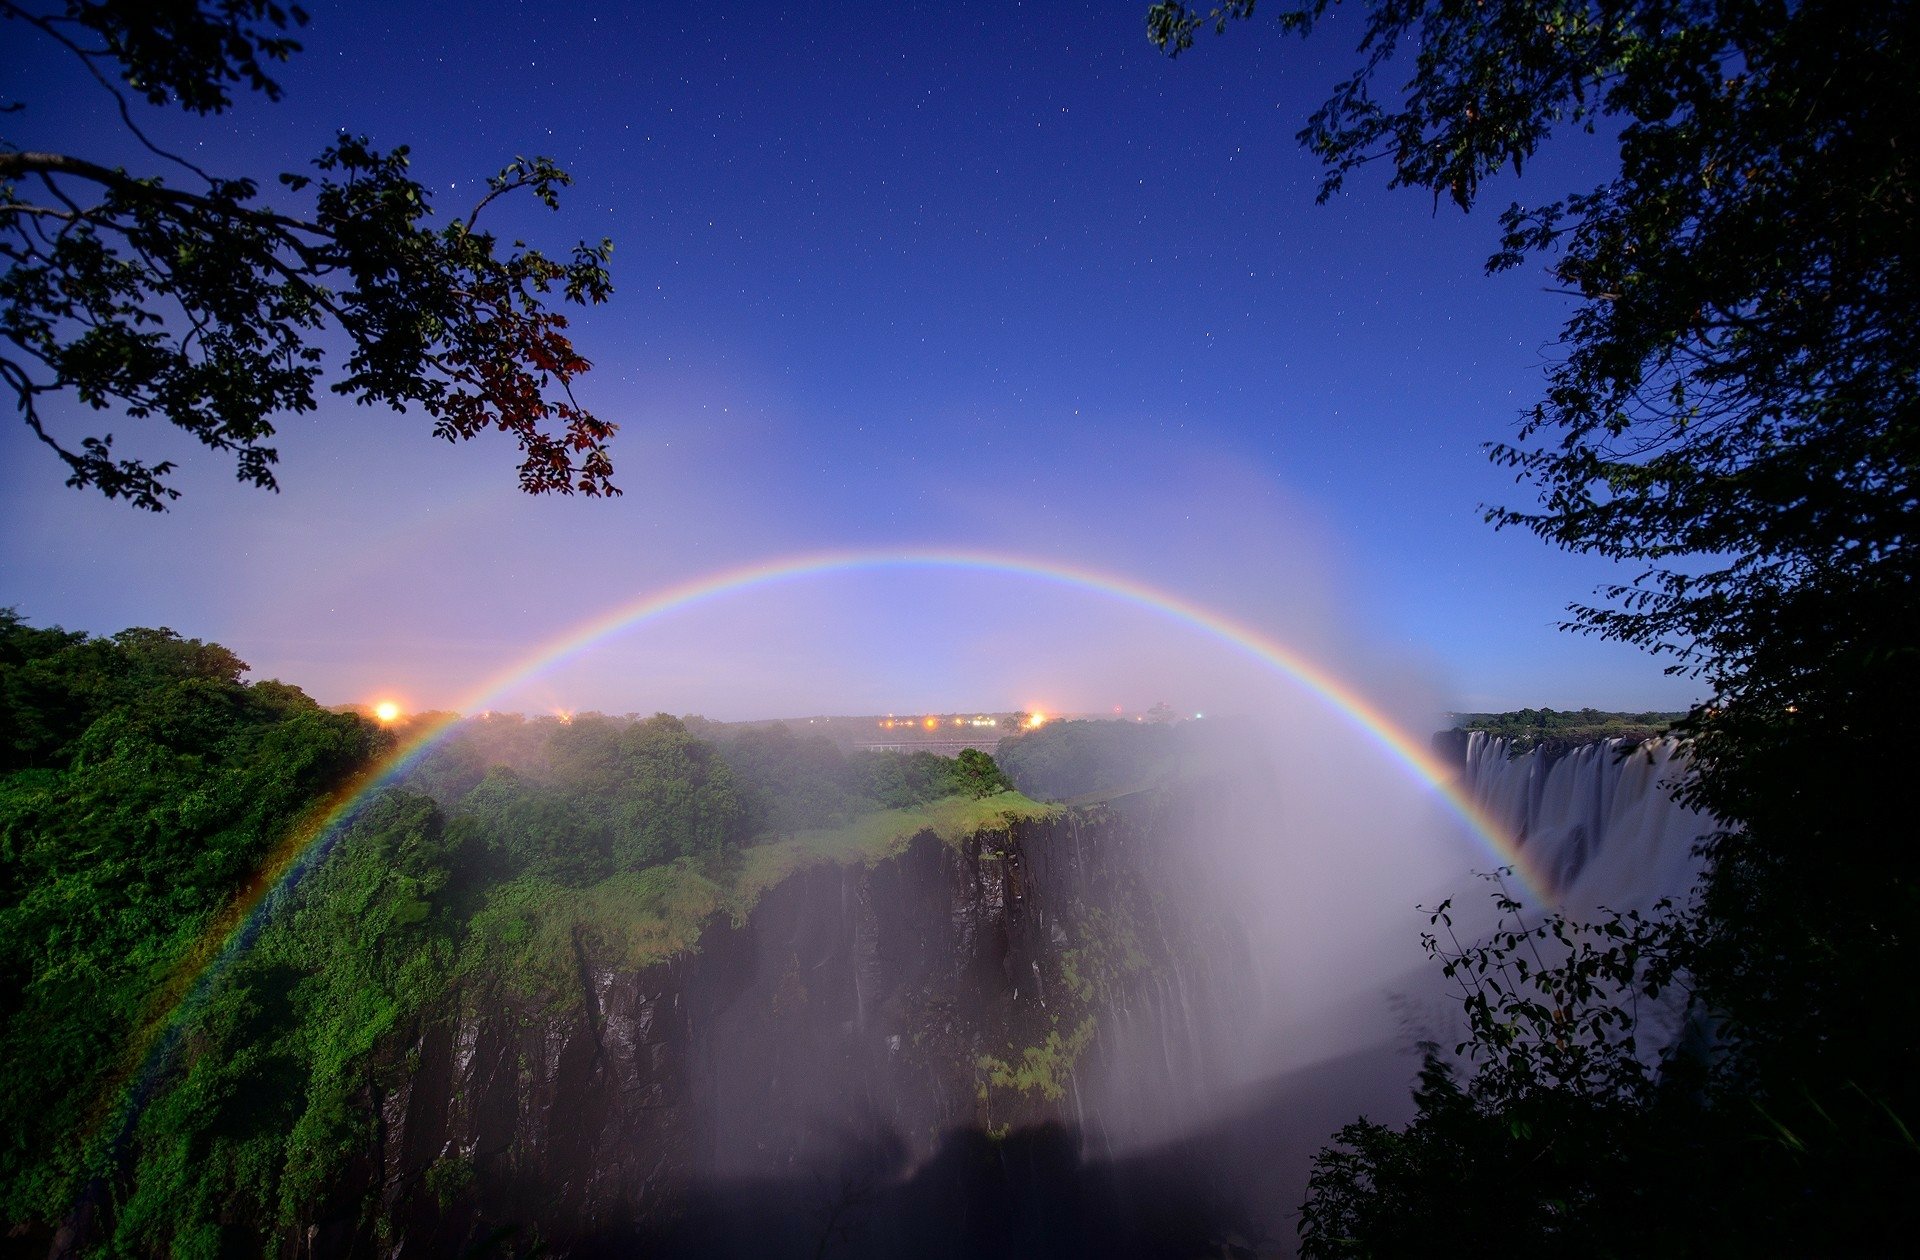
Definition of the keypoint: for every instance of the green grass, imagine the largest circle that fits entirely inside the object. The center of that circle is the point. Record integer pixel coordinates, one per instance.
(531, 934)
(874, 837)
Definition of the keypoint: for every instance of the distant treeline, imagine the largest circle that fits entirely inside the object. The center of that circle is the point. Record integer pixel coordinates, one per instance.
(1526, 729)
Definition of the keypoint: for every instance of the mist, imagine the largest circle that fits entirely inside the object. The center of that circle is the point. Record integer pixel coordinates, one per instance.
(1321, 841)
(1157, 999)
(1308, 842)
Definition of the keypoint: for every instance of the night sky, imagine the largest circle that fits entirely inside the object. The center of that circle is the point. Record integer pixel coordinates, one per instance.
(999, 277)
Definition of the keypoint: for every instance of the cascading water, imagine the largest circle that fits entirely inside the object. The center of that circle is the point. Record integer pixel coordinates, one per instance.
(1599, 820)
(1114, 1008)
(1599, 825)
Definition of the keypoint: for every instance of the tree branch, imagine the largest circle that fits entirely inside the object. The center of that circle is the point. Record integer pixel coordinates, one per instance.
(30, 162)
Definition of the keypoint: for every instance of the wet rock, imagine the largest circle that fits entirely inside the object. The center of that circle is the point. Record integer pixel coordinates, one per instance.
(856, 1009)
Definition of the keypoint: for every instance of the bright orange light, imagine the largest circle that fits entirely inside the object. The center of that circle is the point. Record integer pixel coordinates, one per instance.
(1036, 719)
(386, 710)
(931, 723)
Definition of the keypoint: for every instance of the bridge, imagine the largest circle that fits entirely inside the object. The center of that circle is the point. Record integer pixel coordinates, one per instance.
(944, 747)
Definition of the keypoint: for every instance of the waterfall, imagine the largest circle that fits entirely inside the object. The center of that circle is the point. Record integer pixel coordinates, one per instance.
(1599, 820)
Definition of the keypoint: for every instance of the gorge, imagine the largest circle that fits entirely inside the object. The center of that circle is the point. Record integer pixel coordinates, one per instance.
(917, 1051)
(592, 985)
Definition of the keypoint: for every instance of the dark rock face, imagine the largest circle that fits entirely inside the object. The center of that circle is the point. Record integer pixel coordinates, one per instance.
(822, 1051)
(1450, 746)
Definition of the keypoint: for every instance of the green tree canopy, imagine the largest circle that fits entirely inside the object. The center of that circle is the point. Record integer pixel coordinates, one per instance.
(183, 295)
(1062, 760)
(976, 774)
(790, 781)
(141, 783)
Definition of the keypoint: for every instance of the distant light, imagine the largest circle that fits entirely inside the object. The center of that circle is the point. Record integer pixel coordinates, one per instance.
(386, 711)
(1199, 715)
(1036, 719)
(931, 723)
(565, 715)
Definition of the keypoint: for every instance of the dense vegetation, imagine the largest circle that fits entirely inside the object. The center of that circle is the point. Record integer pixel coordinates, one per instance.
(142, 783)
(1562, 1118)
(1733, 412)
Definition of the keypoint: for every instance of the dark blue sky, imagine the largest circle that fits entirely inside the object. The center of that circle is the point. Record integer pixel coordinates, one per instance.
(996, 276)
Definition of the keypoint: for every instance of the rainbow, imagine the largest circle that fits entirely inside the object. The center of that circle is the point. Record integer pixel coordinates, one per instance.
(309, 842)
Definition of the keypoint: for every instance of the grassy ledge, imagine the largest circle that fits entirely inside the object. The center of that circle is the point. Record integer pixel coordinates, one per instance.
(875, 836)
(534, 936)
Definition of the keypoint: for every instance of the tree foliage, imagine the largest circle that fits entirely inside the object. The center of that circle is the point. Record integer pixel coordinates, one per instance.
(142, 782)
(279, 1083)
(976, 774)
(792, 782)
(197, 302)
(1738, 378)
(1063, 760)
(1733, 411)
(601, 795)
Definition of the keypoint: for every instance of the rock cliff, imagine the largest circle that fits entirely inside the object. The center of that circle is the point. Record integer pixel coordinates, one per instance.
(830, 1043)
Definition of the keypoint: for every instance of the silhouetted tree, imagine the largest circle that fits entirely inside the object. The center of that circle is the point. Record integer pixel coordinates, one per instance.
(198, 303)
(1734, 410)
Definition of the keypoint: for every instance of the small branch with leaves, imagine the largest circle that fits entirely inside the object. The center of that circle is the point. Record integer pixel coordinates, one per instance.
(203, 306)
